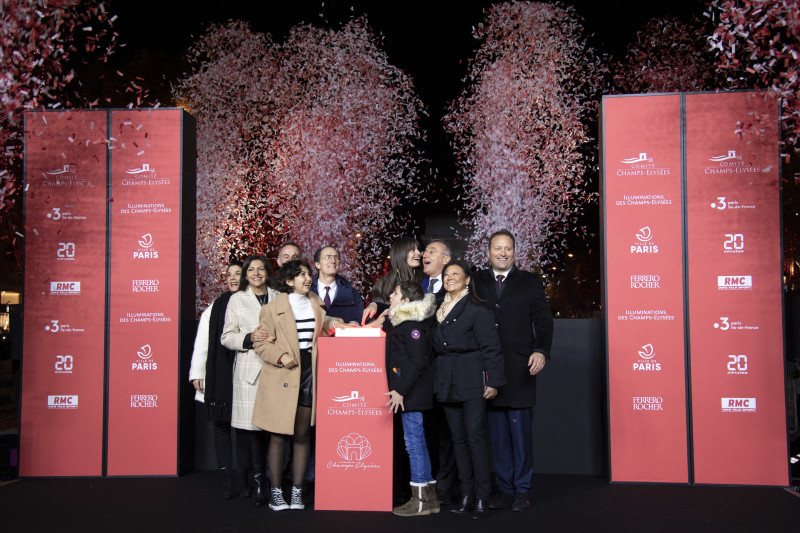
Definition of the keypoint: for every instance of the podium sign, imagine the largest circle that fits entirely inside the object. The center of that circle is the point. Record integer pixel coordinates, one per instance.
(354, 429)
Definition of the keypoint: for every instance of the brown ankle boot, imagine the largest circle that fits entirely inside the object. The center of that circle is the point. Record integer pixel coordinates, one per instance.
(431, 497)
(416, 506)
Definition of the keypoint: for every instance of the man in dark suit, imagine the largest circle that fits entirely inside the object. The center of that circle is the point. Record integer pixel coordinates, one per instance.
(341, 299)
(436, 255)
(525, 328)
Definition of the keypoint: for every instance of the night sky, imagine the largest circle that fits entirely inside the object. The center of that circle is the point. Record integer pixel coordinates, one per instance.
(430, 40)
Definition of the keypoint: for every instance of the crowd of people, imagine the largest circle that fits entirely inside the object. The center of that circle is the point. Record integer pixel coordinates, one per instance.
(463, 349)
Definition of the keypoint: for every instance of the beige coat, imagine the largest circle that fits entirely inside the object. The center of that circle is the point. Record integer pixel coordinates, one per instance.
(279, 387)
(241, 318)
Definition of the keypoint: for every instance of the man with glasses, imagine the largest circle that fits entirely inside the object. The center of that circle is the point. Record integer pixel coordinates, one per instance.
(341, 299)
(436, 255)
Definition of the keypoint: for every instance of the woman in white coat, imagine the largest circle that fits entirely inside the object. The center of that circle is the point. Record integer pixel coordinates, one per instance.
(239, 333)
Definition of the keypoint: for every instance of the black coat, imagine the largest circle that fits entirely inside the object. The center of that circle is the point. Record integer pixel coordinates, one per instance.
(347, 304)
(524, 325)
(409, 353)
(468, 356)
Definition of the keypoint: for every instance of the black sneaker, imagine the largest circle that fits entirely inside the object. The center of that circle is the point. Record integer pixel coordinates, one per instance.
(276, 501)
(296, 501)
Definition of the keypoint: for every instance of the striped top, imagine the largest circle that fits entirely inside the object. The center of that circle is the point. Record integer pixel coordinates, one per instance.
(304, 319)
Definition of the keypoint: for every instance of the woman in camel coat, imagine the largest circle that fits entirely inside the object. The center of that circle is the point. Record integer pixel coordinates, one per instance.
(285, 404)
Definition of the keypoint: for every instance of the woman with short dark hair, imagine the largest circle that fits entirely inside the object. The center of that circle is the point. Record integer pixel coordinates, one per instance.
(469, 370)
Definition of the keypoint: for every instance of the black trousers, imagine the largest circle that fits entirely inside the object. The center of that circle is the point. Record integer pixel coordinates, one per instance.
(467, 421)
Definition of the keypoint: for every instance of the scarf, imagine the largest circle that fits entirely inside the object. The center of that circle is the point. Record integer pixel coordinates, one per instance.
(219, 365)
(448, 303)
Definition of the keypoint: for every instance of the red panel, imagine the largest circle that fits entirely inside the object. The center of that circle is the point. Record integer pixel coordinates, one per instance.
(144, 292)
(733, 214)
(65, 212)
(644, 288)
(354, 429)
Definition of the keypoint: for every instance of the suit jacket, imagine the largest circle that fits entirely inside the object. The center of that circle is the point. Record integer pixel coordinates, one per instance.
(347, 304)
(524, 324)
(279, 388)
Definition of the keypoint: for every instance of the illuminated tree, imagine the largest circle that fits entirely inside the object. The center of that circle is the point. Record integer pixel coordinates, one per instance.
(521, 129)
(314, 139)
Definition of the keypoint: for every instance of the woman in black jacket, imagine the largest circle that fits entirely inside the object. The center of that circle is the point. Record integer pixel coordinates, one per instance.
(469, 370)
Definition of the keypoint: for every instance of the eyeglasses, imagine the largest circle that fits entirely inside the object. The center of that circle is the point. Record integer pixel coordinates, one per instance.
(331, 258)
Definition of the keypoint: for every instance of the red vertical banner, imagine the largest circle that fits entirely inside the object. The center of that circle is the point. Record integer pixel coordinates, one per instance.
(643, 256)
(64, 321)
(144, 292)
(735, 304)
(354, 429)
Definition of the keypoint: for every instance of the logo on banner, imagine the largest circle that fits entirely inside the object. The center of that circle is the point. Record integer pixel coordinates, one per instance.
(353, 404)
(730, 163)
(63, 364)
(352, 397)
(737, 365)
(62, 402)
(146, 248)
(66, 176)
(65, 251)
(645, 244)
(725, 323)
(144, 285)
(354, 447)
(733, 244)
(724, 203)
(647, 361)
(738, 405)
(56, 326)
(647, 281)
(734, 283)
(643, 165)
(145, 353)
(144, 175)
(65, 287)
(139, 401)
(63, 213)
(648, 403)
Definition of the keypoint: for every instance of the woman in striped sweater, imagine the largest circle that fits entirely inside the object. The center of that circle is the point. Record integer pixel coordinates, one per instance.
(285, 399)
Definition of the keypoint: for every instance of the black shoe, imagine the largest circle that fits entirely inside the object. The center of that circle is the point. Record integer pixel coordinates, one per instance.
(464, 506)
(259, 496)
(522, 502)
(501, 500)
(481, 510)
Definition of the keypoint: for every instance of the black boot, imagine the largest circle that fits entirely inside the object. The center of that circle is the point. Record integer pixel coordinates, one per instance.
(260, 486)
(464, 506)
(228, 490)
